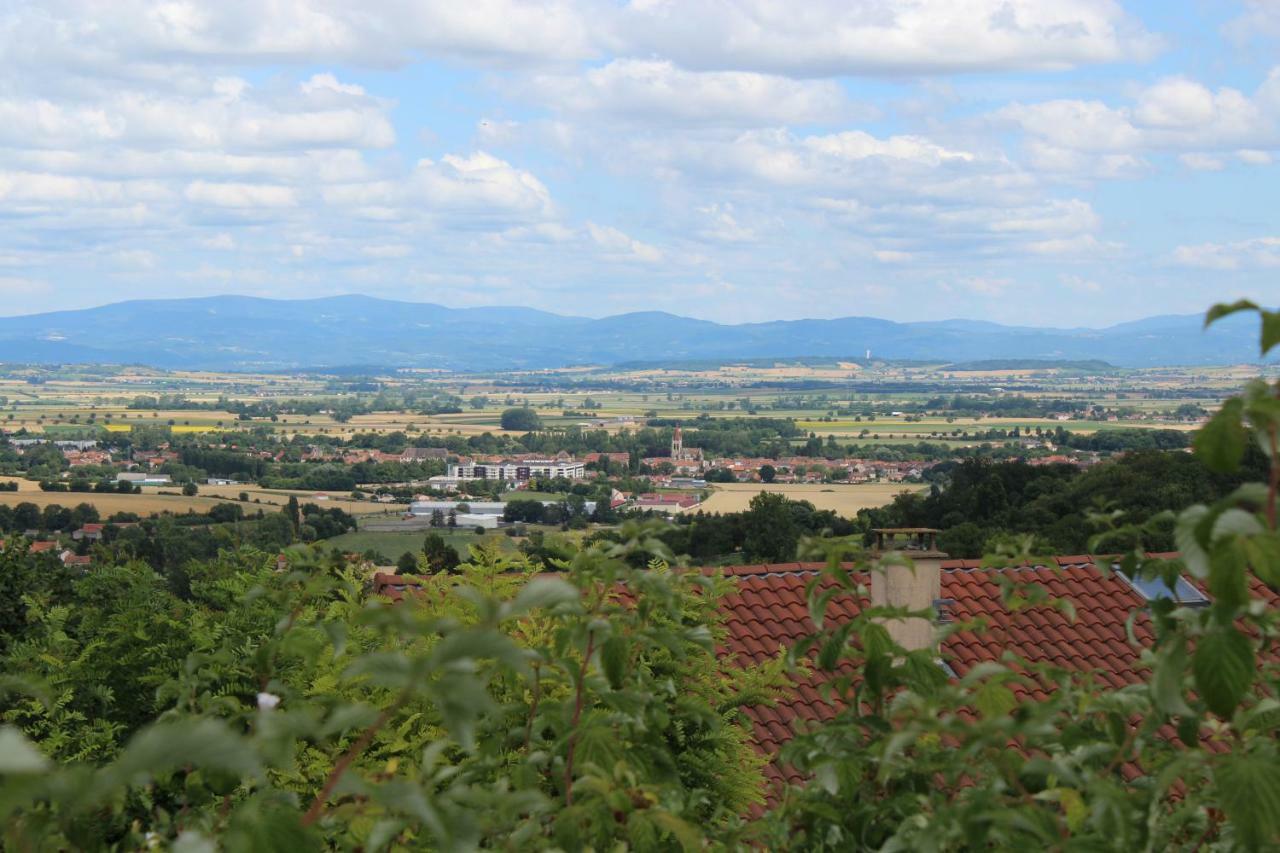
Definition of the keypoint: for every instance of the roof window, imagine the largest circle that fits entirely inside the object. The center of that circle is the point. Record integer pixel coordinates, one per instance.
(1182, 592)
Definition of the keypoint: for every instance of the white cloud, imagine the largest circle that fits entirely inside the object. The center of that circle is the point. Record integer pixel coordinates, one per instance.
(476, 185)
(1080, 284)
(224, 242)
(621, 246)
(312, 116)
(377, 33)
(1175, 114)
(1260, 19)
(985, 285)
(837, 37)
(1201, 162)
(1255, 253)
(240, 195)
(14, 285)
(652, 90)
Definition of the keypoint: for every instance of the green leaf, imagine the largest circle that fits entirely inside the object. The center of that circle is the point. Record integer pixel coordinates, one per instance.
(1249, 789)
(684, 833)
(1228, 574)
(18, 755)
(1166, 680)
(542, 592)
(1270, 330)
(1223, 667)
(1222, 309)
(164, 747)
(1263, 555)
(613, 660)
(995, 700)
(1221, 442)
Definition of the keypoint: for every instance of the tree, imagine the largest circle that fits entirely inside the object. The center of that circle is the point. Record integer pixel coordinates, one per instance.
(521, 419)
(772, 533)
(407, 564)
(440, 555)
(189, 488)
(293, 512)
(767, 473)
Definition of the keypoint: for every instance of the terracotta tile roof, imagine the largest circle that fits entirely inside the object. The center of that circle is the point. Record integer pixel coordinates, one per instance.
(394, 586)
(769, 612)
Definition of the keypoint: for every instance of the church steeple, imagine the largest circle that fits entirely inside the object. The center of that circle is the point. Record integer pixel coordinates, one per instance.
(677, 444)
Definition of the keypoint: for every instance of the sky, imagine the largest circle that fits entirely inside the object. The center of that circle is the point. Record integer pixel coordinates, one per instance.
(1053, 163)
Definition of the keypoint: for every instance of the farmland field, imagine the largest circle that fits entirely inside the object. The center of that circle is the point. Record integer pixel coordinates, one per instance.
(392, 544)
(843, 499)
(107, 504)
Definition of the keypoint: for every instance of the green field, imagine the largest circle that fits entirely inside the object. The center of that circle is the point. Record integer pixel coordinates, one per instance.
(392, 545)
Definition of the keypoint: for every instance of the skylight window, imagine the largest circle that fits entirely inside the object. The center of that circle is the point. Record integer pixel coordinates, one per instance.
(1182, 592)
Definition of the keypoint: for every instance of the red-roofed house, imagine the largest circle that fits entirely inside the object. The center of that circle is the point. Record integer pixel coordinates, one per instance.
(394, 586)
(769, 612)
(88, 531)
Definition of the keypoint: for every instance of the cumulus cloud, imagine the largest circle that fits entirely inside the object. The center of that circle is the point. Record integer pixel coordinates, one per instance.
(1255, 253)
(1174, 114)
(240, 195)
(320, 113)
(377, 33)
(475, 185)
(651, 90)
(831, 37)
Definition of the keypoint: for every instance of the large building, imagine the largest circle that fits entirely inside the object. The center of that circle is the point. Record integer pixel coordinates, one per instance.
(518, 470)
(686, 460)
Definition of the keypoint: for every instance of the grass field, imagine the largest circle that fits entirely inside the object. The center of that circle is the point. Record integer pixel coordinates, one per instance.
(280, 497)
(392, 545)
(844, 499)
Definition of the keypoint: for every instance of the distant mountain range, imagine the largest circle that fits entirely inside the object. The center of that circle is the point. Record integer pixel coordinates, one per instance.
(247, 333)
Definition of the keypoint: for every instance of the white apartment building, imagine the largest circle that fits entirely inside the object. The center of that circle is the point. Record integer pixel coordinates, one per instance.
(515, 471)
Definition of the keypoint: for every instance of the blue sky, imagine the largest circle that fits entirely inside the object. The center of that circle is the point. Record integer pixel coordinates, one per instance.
(1065, 162)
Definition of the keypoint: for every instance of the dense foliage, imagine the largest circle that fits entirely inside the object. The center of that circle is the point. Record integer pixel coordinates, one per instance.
(978, 504)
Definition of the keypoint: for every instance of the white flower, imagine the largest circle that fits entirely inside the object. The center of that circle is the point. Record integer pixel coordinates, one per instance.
(267, 701)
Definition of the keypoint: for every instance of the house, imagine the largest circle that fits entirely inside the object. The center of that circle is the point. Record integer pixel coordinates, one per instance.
(70, 558)
(394, 586)
(769, 611)
(423, 454)
(92, 532)
(666, 503)
(44, 547)
(78, 458)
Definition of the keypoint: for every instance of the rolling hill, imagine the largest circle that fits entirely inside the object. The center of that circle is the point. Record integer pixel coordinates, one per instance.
(249, 333)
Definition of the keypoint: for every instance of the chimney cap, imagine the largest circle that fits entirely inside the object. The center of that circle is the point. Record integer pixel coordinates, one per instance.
(920, 541)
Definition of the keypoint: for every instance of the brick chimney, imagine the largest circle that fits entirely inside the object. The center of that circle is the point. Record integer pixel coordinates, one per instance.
(914, 587)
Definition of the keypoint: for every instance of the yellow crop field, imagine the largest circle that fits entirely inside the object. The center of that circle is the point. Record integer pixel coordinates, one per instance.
(151, 501)
(176, 428)
(845, 499)
(107, 504)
